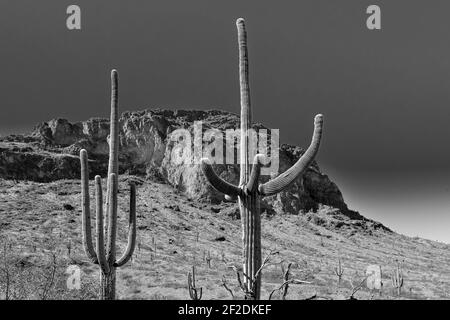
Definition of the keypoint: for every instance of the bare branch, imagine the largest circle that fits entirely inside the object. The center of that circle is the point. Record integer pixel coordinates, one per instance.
(355, 289)
(265, 262)
(224, 284)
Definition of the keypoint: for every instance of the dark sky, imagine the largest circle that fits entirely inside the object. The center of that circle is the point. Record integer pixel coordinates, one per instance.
(385, 94)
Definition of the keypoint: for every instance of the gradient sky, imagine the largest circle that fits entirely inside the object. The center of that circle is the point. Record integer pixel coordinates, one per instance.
(385, 94)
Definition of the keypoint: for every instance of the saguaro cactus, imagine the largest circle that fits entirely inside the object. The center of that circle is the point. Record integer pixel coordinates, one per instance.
(339, 271)
(248, 191)
(208, 259)
(105, 253)
(397, 279)
(194, 292)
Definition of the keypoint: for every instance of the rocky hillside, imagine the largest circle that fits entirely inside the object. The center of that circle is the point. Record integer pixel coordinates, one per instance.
(51, 151)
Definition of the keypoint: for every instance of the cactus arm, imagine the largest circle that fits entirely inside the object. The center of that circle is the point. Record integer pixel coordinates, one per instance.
(101, 256)
(246, 116)
(131, 229)
(112, 219)
(285, 179)
(190, 285)
(113, 164)
(218, 183)
(231, 192)
(86, 210)
(252, 184)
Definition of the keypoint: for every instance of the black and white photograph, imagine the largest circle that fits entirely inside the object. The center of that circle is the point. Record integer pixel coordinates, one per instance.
(252, 152)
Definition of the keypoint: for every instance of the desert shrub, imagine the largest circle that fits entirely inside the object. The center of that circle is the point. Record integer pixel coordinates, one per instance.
(39, 276)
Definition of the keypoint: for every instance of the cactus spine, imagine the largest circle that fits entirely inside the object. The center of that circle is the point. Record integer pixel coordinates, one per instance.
(194, 292)
(397, 279)
(249, 192)
(105, 253)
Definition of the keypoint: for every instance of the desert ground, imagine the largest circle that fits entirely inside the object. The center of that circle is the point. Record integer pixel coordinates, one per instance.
(40, 229)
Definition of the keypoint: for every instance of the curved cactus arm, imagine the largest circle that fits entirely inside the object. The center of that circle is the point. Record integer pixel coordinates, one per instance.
(112, 219)
(285, 179)
(252, 184)
(131, 229)
(86, 210)
(101, 256)
(218, 183)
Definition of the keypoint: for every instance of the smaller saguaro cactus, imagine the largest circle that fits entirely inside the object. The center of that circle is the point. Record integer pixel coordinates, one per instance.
(69, 248)
(397, 279)
(208, 259)
(153, 249)
(104, 254)
(194, 292)
(339, 271)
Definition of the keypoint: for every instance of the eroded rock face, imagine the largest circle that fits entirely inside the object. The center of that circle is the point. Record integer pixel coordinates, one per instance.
(51, 152)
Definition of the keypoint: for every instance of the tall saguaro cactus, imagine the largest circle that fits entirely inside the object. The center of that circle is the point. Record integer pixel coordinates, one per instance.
(249, 190)
(104, 254)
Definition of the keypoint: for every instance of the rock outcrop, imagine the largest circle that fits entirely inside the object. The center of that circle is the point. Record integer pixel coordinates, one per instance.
(51, 152)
